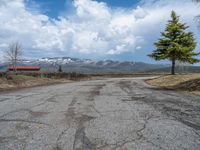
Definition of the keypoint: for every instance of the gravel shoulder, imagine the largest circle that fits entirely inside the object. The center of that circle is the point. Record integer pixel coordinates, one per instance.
(107, 114)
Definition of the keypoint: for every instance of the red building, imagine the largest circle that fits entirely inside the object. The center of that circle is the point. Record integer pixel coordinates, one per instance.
(24, 68)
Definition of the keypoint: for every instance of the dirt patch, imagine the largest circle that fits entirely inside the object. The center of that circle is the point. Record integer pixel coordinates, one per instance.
(95, 91)
(189, 82)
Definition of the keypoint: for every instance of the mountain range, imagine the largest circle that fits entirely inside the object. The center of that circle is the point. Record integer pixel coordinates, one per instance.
(70, 64)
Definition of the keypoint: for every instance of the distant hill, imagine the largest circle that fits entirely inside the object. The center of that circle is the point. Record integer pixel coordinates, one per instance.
(103, 66)
(89, 66)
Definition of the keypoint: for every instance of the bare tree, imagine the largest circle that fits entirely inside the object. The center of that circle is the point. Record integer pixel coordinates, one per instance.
(14, 53)
(197, 18)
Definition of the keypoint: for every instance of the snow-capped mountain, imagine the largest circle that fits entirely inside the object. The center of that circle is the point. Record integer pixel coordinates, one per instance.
(89, 66)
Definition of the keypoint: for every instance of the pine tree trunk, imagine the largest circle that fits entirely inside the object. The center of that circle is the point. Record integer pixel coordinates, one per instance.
(173, 66)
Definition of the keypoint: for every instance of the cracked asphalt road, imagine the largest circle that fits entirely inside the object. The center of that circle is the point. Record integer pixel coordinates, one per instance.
(109, 114)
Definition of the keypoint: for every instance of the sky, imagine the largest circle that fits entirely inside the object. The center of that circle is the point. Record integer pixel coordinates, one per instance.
(94, 29)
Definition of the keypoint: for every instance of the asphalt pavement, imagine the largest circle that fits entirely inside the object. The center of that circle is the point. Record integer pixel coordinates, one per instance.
(107, 114)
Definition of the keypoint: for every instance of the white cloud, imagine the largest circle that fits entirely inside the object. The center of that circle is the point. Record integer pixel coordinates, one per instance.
(95, 29)
(87, 9)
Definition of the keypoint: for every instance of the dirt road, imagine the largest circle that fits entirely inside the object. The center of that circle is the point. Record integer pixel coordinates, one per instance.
(109, 114)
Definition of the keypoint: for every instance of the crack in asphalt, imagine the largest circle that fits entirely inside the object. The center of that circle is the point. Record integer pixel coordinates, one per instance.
(95, 92)
(82, 141)
(127, 140)
(34, 114)
(73, 102)
(58, 145)
(52, 99)
(4, 99)
(22, 120)
(25, 96)
(161, 105)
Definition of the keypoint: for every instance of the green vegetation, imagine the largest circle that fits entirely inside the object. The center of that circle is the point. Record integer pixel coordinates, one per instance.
(60, 69)
(175, 44)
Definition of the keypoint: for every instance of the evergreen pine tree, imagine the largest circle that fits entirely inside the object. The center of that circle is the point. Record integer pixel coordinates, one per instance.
(175, 44)
(60, 69)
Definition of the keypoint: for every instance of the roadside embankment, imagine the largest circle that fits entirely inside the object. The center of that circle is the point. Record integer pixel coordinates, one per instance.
(11, 80)
(22, 81)
(187, 82)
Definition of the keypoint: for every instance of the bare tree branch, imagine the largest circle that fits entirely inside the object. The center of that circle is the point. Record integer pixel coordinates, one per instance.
(197, 18)
(14, 53)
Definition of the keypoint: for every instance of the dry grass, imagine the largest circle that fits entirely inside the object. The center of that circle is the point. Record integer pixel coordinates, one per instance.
(189, 82)
(22, 81)
(196, 92)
